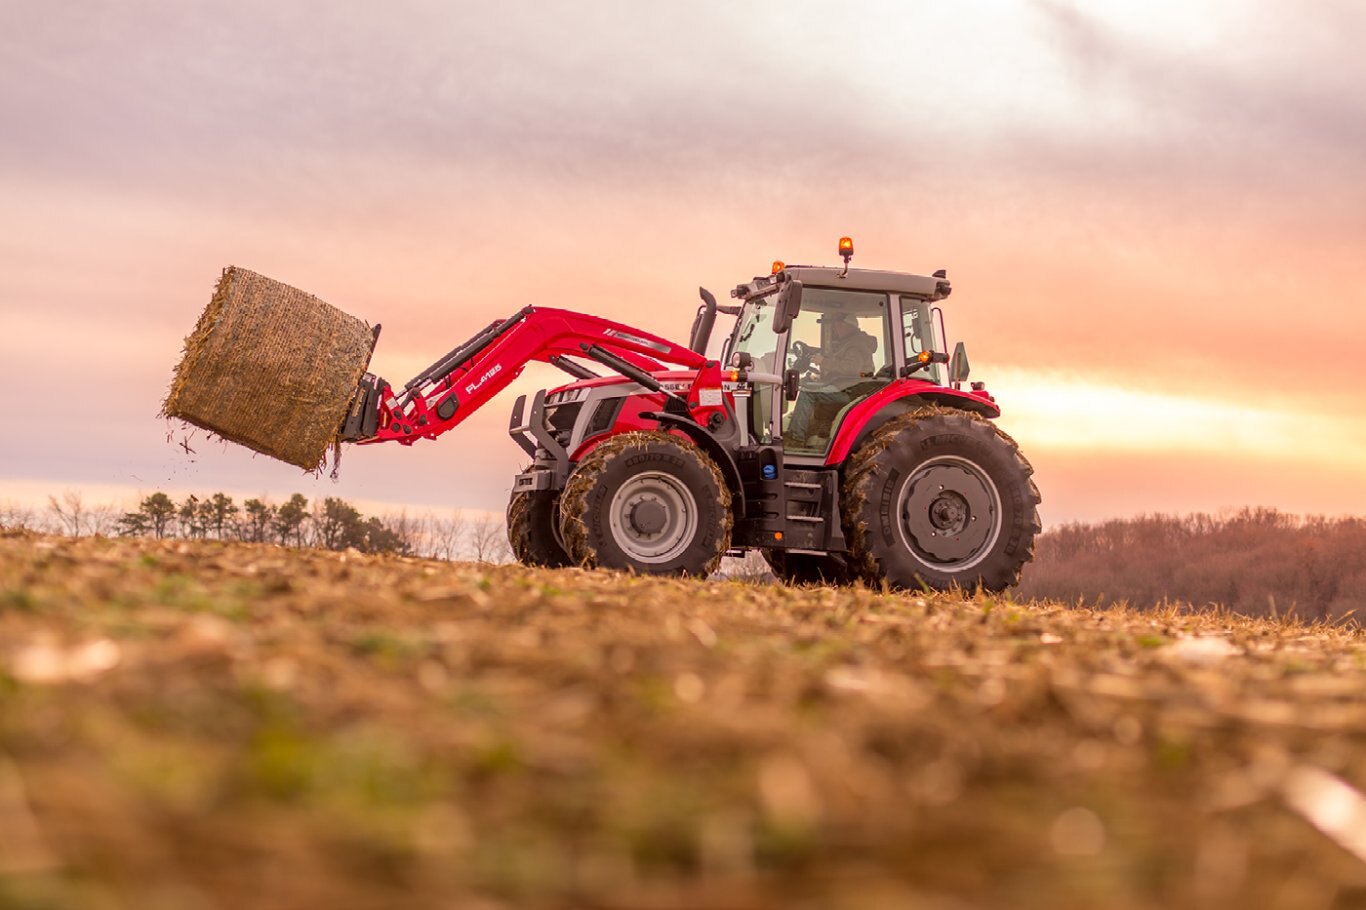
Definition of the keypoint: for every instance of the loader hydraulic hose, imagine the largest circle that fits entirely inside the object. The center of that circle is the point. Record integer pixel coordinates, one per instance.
(572, 368)
(612, 361)
(463, 353)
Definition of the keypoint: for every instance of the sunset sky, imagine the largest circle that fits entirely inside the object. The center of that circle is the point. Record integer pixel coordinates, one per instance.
(1153, 214)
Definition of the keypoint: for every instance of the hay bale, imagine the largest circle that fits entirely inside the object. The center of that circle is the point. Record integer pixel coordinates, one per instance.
(271, 368)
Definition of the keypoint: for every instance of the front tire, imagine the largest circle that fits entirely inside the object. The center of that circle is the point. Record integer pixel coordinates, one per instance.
(940, 497)
(647, 502)
(531, 529)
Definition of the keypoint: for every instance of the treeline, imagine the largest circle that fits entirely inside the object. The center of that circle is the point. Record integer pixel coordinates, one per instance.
(329, 523)
(1256, 561)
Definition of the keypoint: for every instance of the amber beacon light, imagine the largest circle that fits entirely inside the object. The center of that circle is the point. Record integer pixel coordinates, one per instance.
(846, 249)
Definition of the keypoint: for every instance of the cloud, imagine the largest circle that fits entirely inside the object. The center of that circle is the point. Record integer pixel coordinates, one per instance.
(1152, 200)
(257, 90)
(1268, 94)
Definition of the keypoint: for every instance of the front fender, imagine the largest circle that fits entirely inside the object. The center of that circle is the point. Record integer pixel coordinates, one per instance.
(893, 400)
(673, 424)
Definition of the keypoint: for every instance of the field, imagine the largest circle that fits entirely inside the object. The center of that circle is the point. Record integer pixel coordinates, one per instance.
(206, 725)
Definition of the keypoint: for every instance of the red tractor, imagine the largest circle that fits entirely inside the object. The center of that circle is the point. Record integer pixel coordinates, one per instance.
(826, 437)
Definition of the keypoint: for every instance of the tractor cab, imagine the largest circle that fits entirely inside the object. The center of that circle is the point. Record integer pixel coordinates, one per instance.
(850, 333)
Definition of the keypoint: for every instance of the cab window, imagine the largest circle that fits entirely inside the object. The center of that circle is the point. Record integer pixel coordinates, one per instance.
(917, 330)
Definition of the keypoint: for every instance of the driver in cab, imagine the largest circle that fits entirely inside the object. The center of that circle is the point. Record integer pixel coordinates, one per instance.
(845, 361)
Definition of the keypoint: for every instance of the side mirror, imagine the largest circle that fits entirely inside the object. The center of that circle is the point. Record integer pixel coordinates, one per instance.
(789, 304)
(958, 365)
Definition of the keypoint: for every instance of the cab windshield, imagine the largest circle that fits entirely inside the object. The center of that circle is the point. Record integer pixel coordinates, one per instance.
(754, 335)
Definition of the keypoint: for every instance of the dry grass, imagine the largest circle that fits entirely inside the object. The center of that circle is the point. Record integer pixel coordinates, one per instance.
(229, 725)
(270, 367)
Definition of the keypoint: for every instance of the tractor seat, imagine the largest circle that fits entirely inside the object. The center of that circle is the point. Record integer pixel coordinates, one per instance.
(827, 417)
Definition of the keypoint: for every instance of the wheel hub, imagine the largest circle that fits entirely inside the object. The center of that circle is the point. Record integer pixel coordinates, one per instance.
(654, 517)
(648, 517)
(950, 511)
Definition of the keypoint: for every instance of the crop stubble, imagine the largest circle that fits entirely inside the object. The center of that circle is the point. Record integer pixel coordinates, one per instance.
(253, 725)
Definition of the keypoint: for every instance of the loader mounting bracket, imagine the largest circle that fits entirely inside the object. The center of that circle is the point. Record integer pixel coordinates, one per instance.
(362, 420)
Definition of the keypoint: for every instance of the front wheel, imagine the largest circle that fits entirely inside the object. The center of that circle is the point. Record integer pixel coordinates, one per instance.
(939, 497)
(648, 502)
(532, 515)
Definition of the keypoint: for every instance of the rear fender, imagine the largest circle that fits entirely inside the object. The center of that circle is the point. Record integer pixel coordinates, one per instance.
(896, 399)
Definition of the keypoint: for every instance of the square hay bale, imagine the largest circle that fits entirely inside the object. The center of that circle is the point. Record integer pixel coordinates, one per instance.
(270, 367)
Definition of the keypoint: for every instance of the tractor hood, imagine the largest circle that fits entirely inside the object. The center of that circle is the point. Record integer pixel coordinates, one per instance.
(574, 390)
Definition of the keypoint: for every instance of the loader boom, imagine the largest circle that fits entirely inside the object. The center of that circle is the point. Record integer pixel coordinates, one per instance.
(454, 387)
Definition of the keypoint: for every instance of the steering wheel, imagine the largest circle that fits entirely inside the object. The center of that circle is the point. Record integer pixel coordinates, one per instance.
(799, 355)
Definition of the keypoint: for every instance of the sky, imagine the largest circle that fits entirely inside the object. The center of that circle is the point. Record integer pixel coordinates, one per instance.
(1152, 213)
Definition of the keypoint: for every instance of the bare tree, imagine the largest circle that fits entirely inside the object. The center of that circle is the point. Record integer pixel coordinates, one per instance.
(69, 512)
(103, 519)
(447, 535)
(18, 517)
(411, 532)
(488, 538)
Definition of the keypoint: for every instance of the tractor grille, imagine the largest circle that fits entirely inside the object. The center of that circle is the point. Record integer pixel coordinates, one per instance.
(559, 419)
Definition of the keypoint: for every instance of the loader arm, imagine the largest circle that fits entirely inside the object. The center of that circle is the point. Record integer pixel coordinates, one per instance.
(451, 389)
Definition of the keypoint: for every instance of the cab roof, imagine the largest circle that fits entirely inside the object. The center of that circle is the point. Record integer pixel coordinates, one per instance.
(870, 280)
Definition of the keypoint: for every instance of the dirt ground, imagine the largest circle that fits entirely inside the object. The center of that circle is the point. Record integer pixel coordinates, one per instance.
(228, 725)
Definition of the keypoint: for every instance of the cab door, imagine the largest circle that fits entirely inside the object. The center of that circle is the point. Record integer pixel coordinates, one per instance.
(846, 346)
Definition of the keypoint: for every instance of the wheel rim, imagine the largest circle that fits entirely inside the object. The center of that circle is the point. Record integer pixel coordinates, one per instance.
(949, 513)
(653, 517)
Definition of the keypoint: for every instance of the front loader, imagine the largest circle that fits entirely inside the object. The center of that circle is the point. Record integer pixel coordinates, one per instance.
(827, 436)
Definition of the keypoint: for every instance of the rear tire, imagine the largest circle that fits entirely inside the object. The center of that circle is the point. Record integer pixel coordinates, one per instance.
(810, 569)
(532, 516)
(940, 497)
(648, 502)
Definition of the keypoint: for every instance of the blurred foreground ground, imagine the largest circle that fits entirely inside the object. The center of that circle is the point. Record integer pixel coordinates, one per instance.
(231, 725)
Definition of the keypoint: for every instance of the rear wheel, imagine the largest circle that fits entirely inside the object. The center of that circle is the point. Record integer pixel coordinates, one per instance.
(941, 498)
(532, 518)
(810, 569)
(648, 502)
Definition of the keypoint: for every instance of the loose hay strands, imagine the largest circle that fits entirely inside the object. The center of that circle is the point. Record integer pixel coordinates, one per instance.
(270, 367)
